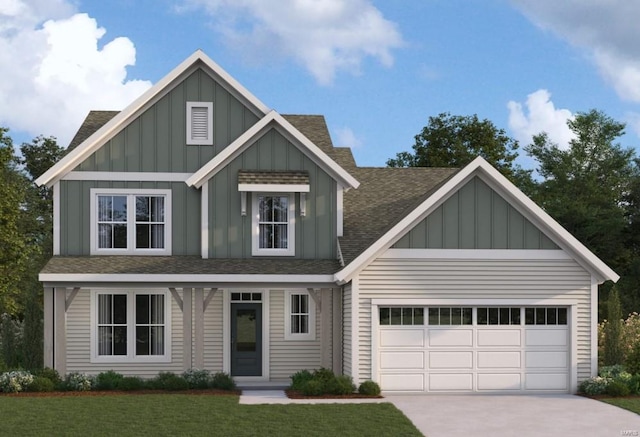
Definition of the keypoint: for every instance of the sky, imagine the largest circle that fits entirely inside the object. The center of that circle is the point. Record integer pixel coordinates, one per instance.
(377, 70)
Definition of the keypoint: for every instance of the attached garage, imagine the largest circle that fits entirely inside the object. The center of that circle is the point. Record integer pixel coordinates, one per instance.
(451, 349)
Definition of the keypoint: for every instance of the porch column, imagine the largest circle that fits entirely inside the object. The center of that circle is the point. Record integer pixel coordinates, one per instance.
(199, 328)
(325, 328)
(187, 353)
(336, 330)
(60, 329)
(48, 327)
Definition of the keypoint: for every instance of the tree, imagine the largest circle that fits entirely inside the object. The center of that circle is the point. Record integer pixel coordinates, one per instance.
(613, 331)
(454, 141)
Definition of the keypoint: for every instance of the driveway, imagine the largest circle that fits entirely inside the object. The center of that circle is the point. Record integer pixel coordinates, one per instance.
(521, 416)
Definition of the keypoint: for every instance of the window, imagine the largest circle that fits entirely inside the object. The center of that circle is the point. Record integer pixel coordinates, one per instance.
(273, 224)
(200, 123)
(450, 316)
(300, 316)
(545, 316)
(498, 316)
(401, 316)
(130, 326)
(116, 230)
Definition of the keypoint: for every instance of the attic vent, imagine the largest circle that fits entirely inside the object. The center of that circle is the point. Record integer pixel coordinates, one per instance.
(200, 123)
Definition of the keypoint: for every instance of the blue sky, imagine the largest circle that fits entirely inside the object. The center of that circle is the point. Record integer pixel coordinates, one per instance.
(376, 69)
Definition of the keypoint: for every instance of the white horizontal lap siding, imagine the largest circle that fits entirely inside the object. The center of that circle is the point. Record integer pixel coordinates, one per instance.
(477, 279)
(286, 356)
(79, 343)
(213, 333)
(346, 330)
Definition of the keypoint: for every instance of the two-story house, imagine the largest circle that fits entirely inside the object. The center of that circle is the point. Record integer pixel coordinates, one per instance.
(197, 228)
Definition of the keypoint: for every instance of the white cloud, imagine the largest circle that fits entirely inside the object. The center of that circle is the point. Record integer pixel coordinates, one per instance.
(325, 37)
(53, 72)
(607, 30)
(346, 138)
(540, 115)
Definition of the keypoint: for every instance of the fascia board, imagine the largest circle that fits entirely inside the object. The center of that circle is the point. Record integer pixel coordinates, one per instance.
(98, 138)
(449, 187)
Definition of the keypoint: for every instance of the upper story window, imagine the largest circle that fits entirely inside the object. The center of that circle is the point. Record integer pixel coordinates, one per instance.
(200, 123)
(273, 224)
(130, 222)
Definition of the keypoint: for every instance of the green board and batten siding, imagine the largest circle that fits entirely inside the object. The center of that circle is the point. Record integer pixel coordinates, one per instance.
(155, 141)
(475, 217)
(230, 232)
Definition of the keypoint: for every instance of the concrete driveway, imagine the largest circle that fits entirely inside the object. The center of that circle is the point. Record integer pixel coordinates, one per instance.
(521, 416)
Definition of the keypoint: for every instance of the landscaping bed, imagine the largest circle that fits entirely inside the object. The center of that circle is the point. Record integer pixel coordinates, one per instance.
(295, 394)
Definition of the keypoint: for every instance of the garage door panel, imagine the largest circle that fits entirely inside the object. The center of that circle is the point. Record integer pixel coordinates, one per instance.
(546, 359)
(499, 337)
(450, 337)
(499, 381)
(405, 337)
(403, 382)
(450, 381)
(450, 360)
(546, 337)
(402, 360)
(499, 360)
(546, 381)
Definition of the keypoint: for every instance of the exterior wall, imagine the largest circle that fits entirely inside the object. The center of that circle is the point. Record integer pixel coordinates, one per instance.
(230, 232)
(75, 215)
(156, 140)
(475, 217)
(213, 347)
(286, 356)
(346, 329)
(79, 343)
(475, 279)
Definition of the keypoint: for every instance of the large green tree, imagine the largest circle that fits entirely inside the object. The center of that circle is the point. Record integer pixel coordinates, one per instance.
(454, 141)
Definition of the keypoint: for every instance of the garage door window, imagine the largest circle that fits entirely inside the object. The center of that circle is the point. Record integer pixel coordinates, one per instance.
(498, 316)
(450, 316)
(545, 316)
(401, 316)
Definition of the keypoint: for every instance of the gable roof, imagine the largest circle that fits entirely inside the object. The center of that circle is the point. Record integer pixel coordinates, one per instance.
(440, 192)
(251, 135)
(113, 125)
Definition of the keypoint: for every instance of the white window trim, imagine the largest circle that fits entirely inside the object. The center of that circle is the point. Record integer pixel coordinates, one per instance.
(255, 227)
(288, 335)
(131, 249)
(131, 357)
(209, 140)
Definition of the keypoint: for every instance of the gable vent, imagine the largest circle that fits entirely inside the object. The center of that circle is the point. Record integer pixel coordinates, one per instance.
(199, 123)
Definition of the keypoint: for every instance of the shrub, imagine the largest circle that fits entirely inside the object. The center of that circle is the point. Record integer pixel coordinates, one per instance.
(197, 378)
(369, 388)
(342, 385)
(594, 386)
(10, 341)
(223, 381)
(617, 387)
(108, 380)
(633, 360)
(611, 371)
(15, 381)
(169, 381)
(299, 379)
(313, 387)
(634, 384)
(613, 353)
(78, 382)
(130, 383)
(51, 374)
(41, 384)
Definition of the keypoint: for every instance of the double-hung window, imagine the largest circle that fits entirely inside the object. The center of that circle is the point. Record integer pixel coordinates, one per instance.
(130, 326)
(273, 224)
(130, 222)
(300, 316)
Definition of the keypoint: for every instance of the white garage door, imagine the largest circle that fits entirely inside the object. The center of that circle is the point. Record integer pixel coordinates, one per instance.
(473, 349)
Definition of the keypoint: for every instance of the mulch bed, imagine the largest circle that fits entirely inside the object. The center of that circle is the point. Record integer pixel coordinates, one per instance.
(292, 394)
(53, 394)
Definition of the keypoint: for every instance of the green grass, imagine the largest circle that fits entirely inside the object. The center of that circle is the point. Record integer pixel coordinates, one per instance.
(176, 414)
(629, 403)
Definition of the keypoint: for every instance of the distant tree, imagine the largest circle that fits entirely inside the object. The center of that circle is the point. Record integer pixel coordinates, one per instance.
(32, 331)
(454, 141)
(613, 353)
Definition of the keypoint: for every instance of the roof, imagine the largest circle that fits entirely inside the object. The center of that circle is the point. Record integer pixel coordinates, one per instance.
(94, 121)
(273, 177)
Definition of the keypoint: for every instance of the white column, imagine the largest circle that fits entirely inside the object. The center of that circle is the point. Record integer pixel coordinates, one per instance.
(60, 337)
(199, 328)
(49, 327)
(187, 353)
(336, 307)
(325, 328)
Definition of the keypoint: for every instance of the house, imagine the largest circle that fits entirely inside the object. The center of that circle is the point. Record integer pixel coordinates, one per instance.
(197, 228)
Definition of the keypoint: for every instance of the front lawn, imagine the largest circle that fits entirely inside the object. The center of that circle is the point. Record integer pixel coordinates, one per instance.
(628, 403)
(179, 414)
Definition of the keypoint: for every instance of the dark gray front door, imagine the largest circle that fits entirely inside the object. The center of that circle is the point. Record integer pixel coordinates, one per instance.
(246, 339)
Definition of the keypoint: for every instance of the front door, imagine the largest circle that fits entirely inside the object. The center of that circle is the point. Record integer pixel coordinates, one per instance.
(246, 339)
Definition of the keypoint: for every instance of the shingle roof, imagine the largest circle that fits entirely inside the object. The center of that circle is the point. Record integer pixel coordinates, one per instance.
(273, 177)
(94, 121)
